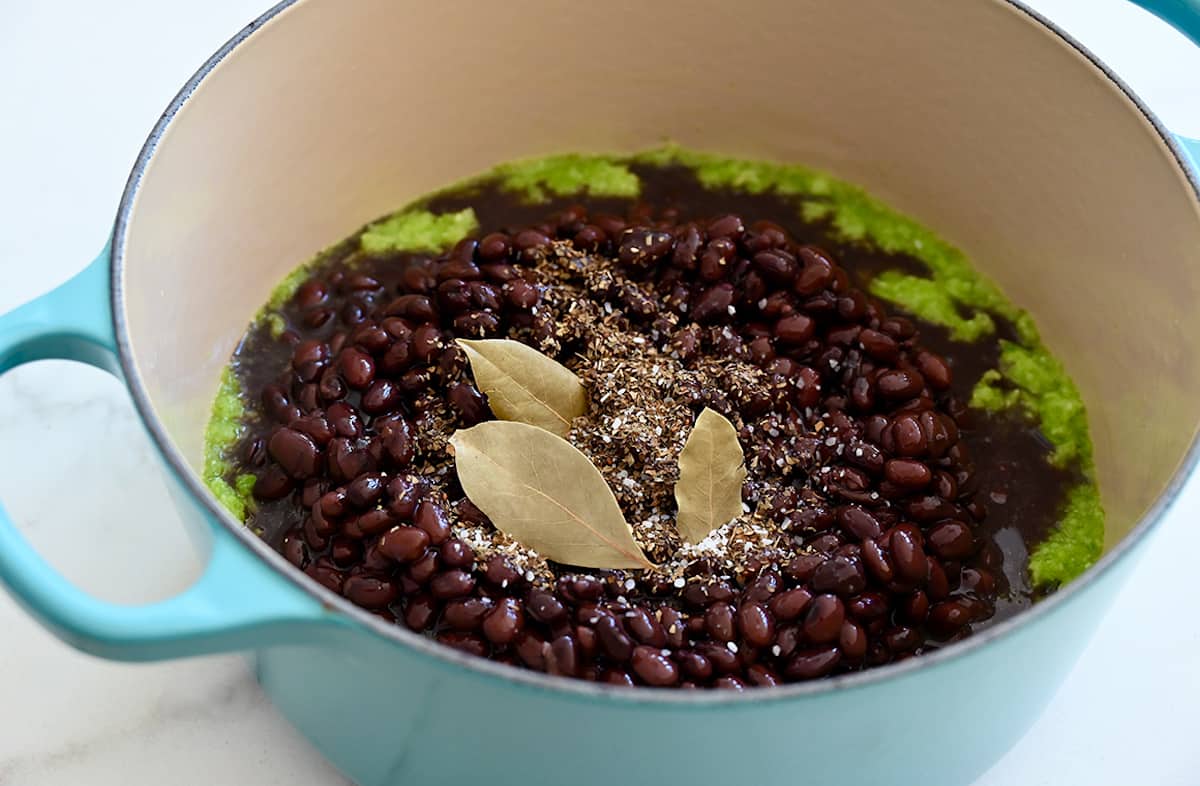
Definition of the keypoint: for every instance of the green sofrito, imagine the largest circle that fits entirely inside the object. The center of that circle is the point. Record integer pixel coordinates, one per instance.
(950, 293)
(408, 230)
(224, 428)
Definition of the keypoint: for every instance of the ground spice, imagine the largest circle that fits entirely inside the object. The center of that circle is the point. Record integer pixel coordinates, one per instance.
(645, 381)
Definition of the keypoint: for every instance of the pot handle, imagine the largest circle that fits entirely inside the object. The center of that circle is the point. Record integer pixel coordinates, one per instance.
(1183, 15)
(1191, 149)
(74, 322)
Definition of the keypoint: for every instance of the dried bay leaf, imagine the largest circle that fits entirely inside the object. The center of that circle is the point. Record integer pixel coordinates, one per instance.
(711, 473)
(540, 490)
(525, 386)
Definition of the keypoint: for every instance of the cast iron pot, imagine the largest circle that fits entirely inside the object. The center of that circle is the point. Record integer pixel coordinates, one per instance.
(976, 117)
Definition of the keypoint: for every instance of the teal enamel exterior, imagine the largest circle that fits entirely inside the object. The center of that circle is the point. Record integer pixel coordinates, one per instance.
(1183, 15)
(74, 322)
(1191, 148)
(389, 712)
(416, 721)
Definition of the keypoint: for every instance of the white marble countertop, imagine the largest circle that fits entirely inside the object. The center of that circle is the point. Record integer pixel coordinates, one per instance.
(81, 83)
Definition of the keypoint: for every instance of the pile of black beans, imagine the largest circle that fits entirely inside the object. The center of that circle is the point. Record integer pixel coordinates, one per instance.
(888, 562)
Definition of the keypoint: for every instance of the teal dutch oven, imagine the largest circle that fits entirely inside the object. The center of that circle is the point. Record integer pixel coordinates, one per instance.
(978, 118)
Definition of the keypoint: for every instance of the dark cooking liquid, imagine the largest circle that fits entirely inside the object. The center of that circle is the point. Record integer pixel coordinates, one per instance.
(1021, 491)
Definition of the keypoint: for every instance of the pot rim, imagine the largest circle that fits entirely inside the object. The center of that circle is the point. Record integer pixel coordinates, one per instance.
(567, 687)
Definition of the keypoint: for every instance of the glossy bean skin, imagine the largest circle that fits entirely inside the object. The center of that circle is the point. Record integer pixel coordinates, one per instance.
(855, 434)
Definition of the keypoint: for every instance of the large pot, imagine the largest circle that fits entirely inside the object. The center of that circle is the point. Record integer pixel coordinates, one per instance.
(978, 118)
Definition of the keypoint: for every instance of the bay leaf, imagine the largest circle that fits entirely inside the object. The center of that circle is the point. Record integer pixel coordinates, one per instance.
(538, 489)
(711, 473)
(525, 386)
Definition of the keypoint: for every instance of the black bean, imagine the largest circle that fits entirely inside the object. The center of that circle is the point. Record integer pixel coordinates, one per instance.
(451, 584)
(823, 622)
(868, 606)
(762, 588)
(717, 259)
(467, 614)
(415, 381)
(431, 517)
(878, 562)
(816, 272)
(403, 495)
(687, 248)
(801, 567)
(589, 237)
(723, 659)
(713, 303)
(762, 676)
(477, 324)
(471, 405)
(369, 592)
(812, 663)
(420, 611)
(951, 540)
(907, 436)
(940, 432)
(935, 370)
(369, 524)
(404, 544)
(381, 397)
(795, 329)
(840, 575)
(493, 247)
(756, 624)
(296, 552)
(427, 343)
(879, 345)
(654, 668)
(505, 622)
(398, 443)
(764, 235)
(776, 265)
(789, 605)
(453, 296)
(616, 642)
(929, 508)
(457, 554)
(531, 244)
(544, 607)
(900, 383)
(719, 621)
(272, 483)
(365, 490)
(858, 522)
(562, 658)
(498, 272)
(522, 295)
(853, 305)
(461, 268)
(398, 356)
(908, 474)
(645, 628)
(695, 665)
(908, 553)
(296, 453)
(901, 639)
(418, 309)
(938, 586)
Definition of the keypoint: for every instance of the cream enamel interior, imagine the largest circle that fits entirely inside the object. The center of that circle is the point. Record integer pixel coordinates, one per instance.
(971, 117)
